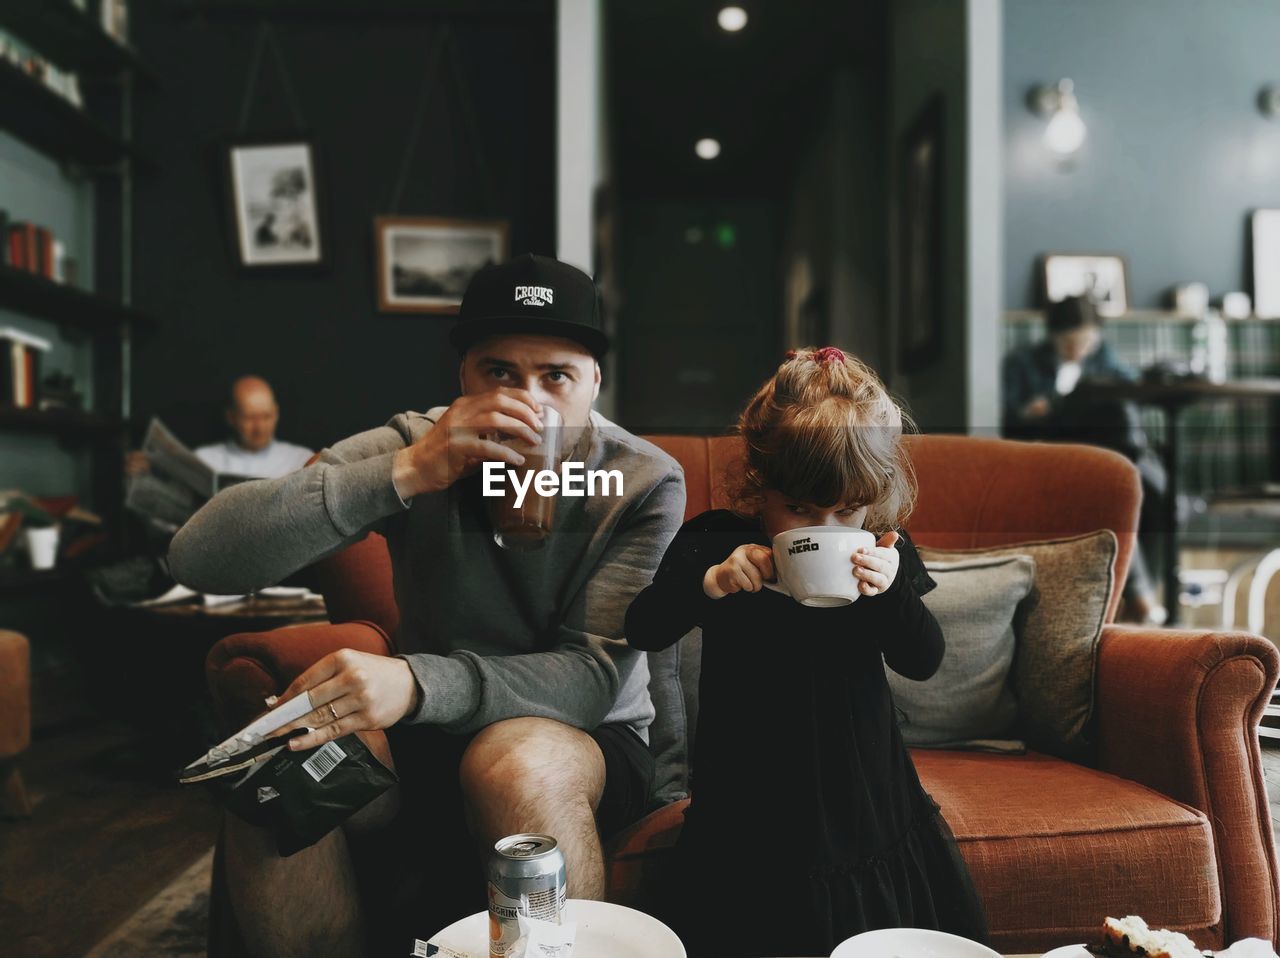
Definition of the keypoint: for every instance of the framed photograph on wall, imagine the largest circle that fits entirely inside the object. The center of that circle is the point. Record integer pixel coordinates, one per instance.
(920, 240)
(1103, 277)
(275, 203)
(1266, 263)
(424, 263)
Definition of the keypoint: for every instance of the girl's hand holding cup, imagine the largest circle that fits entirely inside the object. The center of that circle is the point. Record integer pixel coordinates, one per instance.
(875, 569)
(746, 570)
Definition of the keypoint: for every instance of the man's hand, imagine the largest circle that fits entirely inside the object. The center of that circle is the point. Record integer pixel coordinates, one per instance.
(136, 463)
(465, 437)
(1038, 408)
(352, 692)
(746, 569)
(875, 569)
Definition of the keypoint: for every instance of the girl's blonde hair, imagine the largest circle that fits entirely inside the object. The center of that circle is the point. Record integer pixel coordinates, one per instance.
(824, 430)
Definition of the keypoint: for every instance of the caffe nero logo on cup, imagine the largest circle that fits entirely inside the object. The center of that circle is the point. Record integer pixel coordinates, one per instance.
(802, 545)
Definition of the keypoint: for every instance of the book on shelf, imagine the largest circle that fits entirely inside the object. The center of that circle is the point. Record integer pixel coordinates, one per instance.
(62, 82)
(31, 247)
(20, 361)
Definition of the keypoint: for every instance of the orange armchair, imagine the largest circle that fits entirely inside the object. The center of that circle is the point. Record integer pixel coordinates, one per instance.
(1172, 824)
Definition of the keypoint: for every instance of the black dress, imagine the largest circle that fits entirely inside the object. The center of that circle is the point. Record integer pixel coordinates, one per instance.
(808, 823)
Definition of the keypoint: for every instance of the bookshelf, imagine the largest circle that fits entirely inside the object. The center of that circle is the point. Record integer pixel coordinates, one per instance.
(57, 127)
(72, 37)
(64, 423)
(80, 145)
(68, 306)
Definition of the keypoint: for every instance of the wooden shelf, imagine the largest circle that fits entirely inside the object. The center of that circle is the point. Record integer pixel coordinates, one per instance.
(65, 423)
(53, 125)
(69, 306)
(72, 38)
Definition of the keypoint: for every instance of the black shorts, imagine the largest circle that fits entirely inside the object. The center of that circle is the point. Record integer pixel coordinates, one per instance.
(427, 869)
(427, 758)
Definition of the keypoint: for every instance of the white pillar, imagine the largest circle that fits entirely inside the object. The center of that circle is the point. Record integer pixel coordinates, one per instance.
(984, 215)
(581, 147)
(580, 137)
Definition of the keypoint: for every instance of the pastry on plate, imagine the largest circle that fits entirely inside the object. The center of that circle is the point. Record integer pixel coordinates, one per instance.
(1129, 936)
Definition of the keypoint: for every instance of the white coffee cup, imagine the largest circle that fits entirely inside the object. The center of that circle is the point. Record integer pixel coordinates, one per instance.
(42, 546)
(815, 567)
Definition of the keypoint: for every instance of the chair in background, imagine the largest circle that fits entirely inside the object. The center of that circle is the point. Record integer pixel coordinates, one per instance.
(15, 722)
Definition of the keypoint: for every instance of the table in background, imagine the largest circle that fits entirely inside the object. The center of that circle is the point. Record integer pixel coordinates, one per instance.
(157, 659)
(1173, 396)
(249, 614)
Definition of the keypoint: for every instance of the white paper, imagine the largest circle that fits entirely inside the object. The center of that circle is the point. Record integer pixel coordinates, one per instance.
(178, 593)
(545, 939)
(260, 728)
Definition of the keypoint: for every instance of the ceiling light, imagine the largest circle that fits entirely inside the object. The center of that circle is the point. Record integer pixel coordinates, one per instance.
(732, 19)
(707, 148)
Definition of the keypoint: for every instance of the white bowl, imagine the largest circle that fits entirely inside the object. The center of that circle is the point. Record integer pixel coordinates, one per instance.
(604, 931)
(910, 943)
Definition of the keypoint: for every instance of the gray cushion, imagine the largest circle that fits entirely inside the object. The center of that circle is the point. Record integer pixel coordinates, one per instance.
(969, 697)
(1058, 631)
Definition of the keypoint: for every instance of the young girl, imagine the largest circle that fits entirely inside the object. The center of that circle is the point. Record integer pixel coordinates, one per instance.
(808, 823)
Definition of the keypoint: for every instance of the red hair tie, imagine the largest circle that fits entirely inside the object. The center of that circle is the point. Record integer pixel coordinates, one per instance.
(790, 354)
(829, 354)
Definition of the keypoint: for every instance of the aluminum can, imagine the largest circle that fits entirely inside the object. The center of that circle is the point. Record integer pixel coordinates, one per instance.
(526, 877)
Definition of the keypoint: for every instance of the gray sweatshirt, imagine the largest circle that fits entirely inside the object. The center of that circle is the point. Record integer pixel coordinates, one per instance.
(490, 634)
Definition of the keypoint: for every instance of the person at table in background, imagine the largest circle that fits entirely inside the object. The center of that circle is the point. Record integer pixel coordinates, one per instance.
(252, 450)
(1040, 401)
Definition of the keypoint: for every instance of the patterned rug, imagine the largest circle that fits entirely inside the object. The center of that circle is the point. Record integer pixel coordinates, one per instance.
(173, 924)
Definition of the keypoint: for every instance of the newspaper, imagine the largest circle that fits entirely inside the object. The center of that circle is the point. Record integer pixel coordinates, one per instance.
(178, 483)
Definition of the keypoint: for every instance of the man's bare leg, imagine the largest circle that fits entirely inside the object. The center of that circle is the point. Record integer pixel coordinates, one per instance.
(304, 905)
(539, 775)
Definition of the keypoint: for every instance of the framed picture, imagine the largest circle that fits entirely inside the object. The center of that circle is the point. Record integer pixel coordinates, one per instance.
(1100, 276)
(425, 263)
(275, 206)
(1266, 263)
(921, 201)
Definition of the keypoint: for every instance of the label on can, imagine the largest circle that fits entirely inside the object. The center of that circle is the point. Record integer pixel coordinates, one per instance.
(504, 915)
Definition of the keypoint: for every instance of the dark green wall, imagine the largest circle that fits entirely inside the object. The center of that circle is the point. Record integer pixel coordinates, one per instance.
(337, 364)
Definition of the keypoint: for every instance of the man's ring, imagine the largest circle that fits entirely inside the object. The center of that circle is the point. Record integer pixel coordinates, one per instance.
(333, 712)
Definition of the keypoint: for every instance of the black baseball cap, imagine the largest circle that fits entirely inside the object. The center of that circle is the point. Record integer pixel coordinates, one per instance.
(531, 294)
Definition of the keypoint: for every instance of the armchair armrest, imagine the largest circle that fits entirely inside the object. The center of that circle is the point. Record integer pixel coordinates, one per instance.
(1178, 712)
(242, 670)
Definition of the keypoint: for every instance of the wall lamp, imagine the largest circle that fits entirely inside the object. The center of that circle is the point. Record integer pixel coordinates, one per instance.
(1065, 131)
(1269, 101)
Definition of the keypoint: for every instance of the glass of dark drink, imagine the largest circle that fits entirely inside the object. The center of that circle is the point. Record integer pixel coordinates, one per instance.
(523, 524)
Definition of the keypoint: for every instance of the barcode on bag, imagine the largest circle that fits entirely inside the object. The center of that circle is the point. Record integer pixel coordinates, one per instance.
(324, 761)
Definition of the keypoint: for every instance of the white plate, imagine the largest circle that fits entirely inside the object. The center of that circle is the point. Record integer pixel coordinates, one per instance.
(1068, 951)
(910, 943)
(605, 930)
